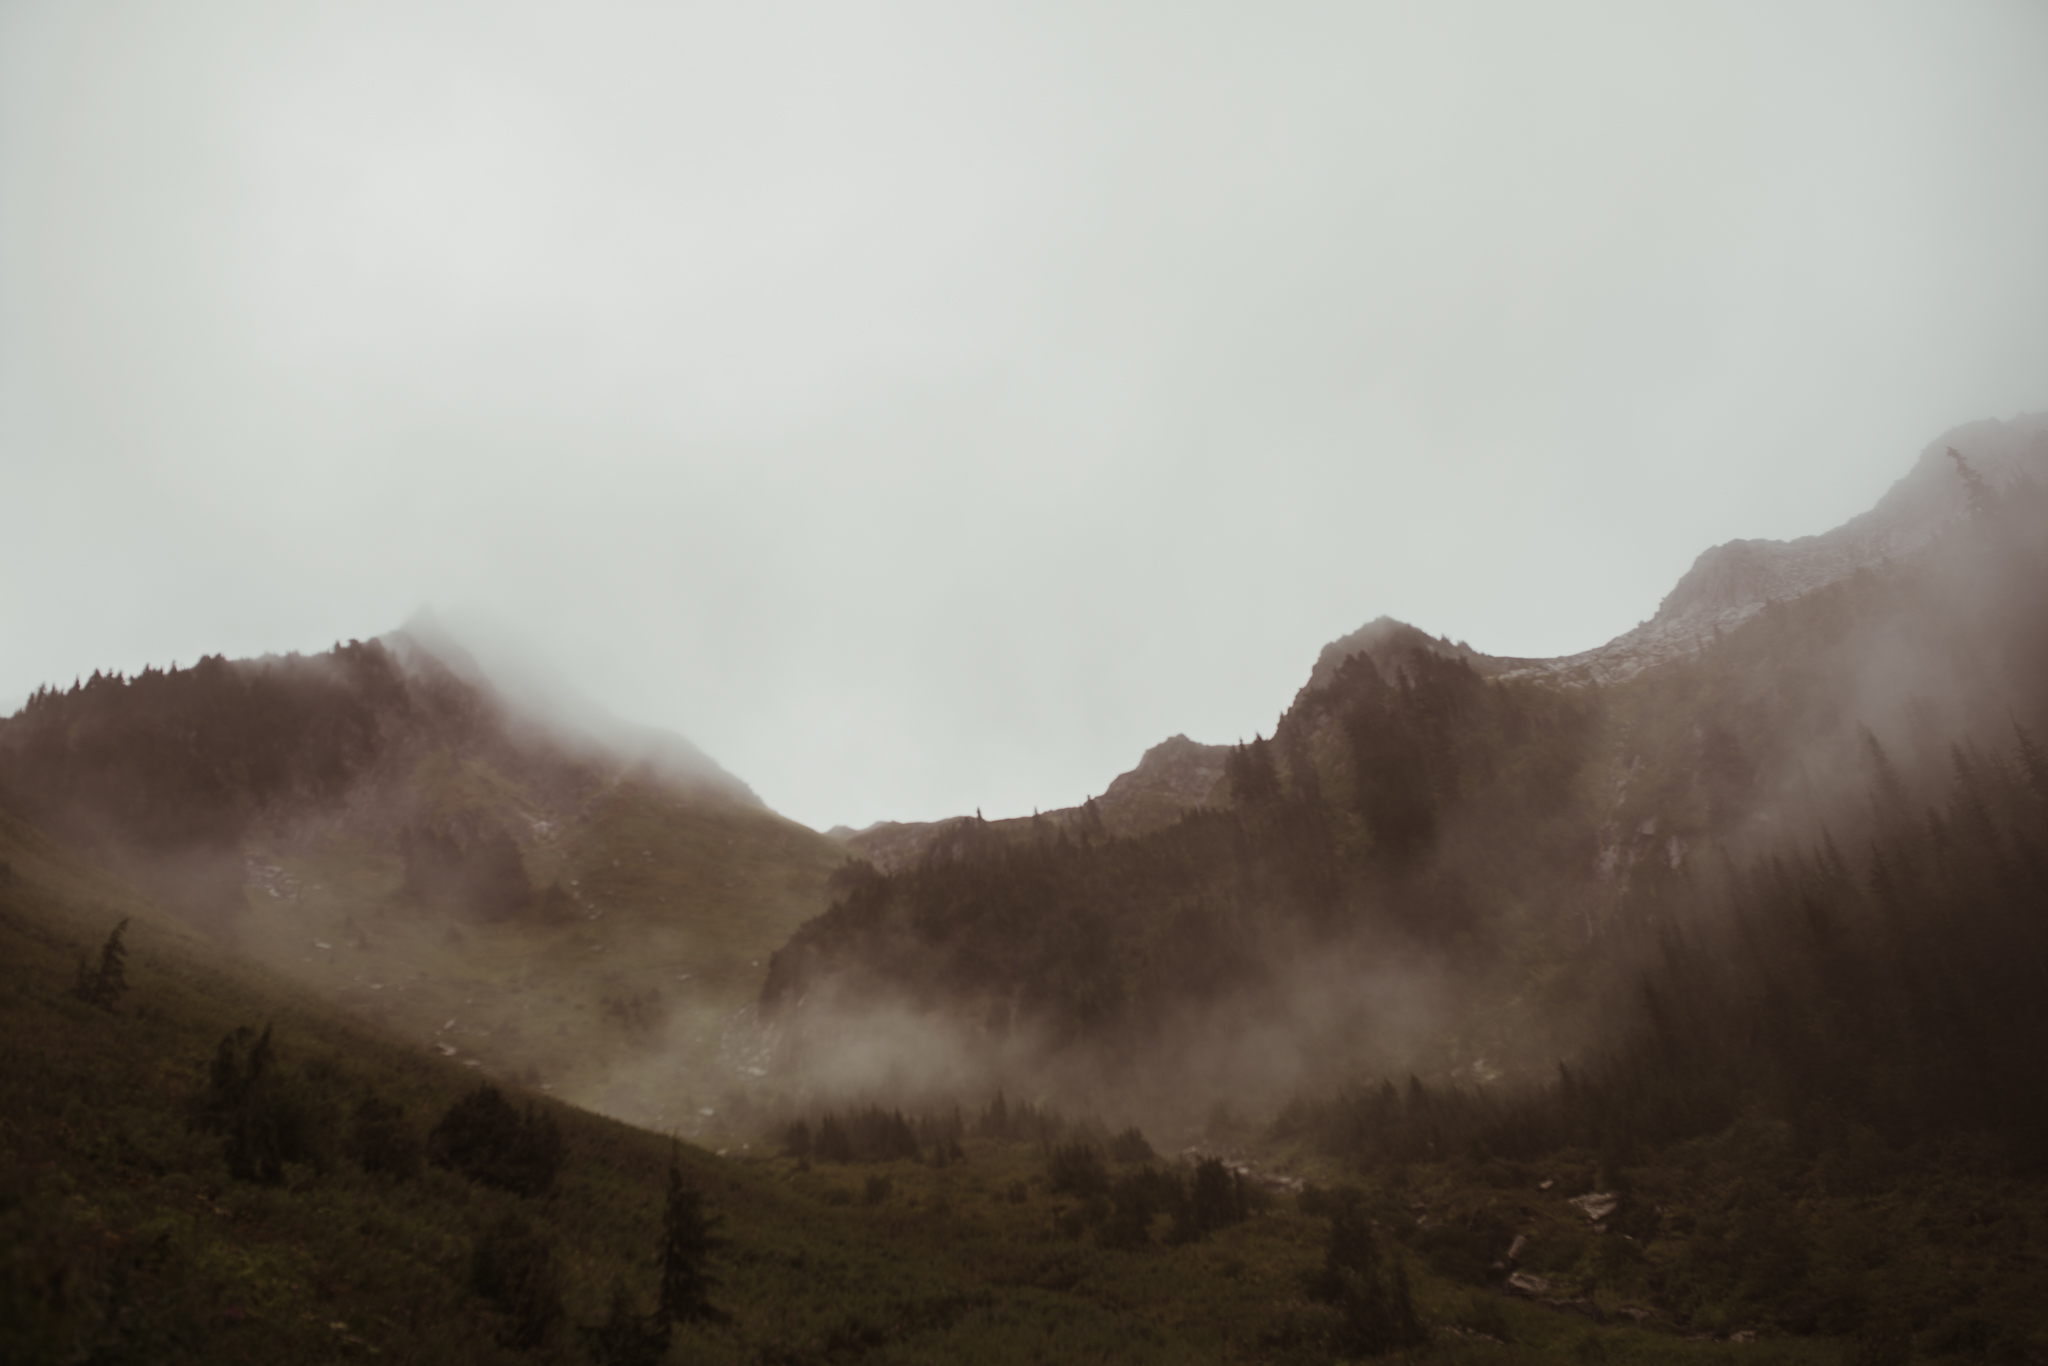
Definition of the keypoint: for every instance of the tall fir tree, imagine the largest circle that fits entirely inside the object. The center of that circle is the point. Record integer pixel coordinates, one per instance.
(689, 1237)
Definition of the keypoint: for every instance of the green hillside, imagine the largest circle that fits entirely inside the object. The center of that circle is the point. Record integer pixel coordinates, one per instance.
(613, 995)
(1001, 1235)
(125, 1236)
(380, 829)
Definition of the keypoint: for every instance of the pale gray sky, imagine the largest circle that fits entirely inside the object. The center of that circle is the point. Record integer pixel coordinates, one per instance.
(930, 406)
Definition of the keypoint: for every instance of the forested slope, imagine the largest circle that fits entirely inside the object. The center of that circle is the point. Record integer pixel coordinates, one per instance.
(1509, 851)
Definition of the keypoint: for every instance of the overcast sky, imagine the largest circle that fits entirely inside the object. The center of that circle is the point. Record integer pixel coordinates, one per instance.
(931, 406)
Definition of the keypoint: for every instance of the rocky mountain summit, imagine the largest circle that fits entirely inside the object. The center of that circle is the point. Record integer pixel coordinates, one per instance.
(1731, 583)
(1175, 774)
(1726, 586)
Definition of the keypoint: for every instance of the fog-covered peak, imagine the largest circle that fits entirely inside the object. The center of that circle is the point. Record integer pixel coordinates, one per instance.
(538, 695)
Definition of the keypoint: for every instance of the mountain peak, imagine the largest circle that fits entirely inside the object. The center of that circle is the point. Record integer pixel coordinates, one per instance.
(1733, 581)
(1387, 643)
(537, 697)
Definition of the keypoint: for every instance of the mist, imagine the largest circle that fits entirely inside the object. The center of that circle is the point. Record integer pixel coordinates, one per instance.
(924, 409)
(1821, 733)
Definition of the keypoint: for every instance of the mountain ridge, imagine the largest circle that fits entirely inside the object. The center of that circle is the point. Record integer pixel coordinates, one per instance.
(1419, 843)
(1726, 585)
(1731, 582)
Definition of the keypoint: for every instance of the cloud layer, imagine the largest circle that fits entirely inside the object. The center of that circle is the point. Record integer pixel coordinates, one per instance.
(926, 407)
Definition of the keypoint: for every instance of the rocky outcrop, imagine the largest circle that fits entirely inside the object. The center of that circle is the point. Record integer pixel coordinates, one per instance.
(1728, 584)
(1174, 776)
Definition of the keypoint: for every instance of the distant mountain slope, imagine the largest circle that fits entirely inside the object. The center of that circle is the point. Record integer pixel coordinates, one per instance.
(1174, 775)
(1436, 857)
(1726, 586)
(544, 892)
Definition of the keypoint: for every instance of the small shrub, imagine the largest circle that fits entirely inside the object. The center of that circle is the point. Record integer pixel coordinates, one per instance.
(1465, 1251)
(832, 1143)
(1215, 1200)
(1378, 1309)
(486, 1139)
(381, 1141)
(876, 1190)
(796, 1140)
(1130, 1147)
(513, 1267)
(1482, 1314)
(1077, 1169)
(1314, 1200)
(626, 1338)
(1136, 1199)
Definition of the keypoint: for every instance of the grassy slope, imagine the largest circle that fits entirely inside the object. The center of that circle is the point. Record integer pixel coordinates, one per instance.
(121, 1233)
(616, 1002)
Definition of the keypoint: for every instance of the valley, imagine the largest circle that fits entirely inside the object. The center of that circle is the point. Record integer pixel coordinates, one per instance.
(1681, 999)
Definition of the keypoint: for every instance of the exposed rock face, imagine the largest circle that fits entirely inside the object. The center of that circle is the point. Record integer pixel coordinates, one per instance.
(1730, 583)
(1174, 775)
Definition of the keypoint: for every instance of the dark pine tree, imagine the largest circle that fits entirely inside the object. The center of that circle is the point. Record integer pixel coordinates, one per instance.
(689, 1237)
(105, 985)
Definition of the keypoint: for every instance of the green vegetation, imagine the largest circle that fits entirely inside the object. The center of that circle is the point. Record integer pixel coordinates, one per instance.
(105, 985)
(372, 825)
(486, 1139)
(128, 1235)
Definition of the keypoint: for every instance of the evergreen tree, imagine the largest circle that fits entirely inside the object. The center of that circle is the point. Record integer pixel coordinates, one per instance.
(1982, 499)
(796, 1140)
(2033, 764)
(265, 1117)
(381, 1141)
(832, 1143)
(105, 985)
(1379, 1310)
(688, 1238)
(486, 1139)
(1215, 1200)
(1253, 776)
